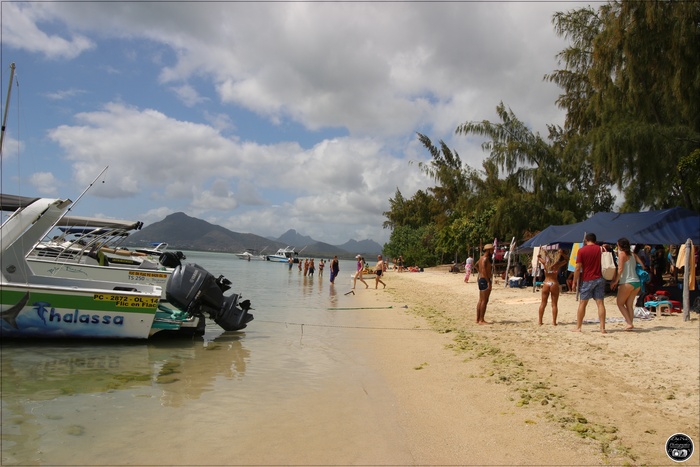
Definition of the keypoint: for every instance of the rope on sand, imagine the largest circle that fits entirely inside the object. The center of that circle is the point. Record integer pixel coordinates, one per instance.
(363, 308)
(287, 323)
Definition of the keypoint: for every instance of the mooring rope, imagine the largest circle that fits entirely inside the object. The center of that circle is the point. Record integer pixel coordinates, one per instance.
(288, 323)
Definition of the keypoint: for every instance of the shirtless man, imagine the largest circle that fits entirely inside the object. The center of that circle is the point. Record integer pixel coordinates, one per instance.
(483, 266)
(379, 270)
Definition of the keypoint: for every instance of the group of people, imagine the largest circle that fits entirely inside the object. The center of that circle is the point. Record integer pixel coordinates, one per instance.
(587, 277)
(378, 271)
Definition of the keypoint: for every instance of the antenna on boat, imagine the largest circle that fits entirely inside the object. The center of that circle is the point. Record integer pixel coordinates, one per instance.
(82, 194)
(7, 105)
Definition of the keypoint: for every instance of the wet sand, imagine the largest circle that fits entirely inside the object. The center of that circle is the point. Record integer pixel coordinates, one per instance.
(514, 392)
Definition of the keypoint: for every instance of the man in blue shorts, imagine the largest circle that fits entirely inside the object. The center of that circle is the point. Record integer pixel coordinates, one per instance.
(592, 281)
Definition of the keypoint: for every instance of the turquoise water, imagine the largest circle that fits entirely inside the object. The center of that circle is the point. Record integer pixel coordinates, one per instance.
(113, 403)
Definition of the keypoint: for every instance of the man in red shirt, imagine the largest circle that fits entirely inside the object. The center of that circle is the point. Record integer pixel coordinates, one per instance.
(592, 281)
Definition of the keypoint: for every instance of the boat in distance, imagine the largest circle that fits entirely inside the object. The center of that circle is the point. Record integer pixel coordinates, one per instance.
(251, 254)
(284, 254)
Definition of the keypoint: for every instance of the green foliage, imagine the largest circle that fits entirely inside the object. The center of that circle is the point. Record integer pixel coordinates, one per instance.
(416, 245)
(632, 95)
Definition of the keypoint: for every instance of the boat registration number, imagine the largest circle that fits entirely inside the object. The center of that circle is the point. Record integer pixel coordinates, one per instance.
(139, 276)
(128, 301)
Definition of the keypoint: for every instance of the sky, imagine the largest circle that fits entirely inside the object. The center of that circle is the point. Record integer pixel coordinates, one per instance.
(261, 116)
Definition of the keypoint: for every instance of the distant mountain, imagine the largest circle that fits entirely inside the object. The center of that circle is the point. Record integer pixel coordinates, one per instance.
(309, 245)
(291, 237)
(364, 247)
(182, 232)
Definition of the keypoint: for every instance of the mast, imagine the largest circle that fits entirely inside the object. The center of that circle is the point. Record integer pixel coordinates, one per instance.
(7, 105)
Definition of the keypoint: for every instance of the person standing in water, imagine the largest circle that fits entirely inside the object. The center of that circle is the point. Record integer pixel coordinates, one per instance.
(335, 268)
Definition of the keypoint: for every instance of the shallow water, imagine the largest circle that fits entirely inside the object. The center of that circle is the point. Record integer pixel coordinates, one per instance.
(165, 402)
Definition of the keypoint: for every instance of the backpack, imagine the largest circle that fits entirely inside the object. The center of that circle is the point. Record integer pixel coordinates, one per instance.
(607, 265)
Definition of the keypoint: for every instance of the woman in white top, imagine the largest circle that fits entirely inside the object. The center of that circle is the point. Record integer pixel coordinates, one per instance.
(627, 281)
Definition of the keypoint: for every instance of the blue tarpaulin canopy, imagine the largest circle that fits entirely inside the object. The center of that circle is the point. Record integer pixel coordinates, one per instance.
(664, 227)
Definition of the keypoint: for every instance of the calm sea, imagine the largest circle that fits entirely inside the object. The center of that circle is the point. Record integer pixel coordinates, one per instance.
(112, 403)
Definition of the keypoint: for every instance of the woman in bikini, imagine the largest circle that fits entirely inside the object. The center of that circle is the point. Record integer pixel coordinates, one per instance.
(551, 265)
(627, 281)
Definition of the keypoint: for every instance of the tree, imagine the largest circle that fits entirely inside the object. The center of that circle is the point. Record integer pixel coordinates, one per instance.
(543, 185)
(632, 96)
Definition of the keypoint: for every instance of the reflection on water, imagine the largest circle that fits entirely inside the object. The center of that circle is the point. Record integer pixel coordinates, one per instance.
(45, 384)
(65, 402)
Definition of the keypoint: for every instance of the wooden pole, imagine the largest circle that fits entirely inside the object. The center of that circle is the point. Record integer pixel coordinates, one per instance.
(510, 255)
(686, 279)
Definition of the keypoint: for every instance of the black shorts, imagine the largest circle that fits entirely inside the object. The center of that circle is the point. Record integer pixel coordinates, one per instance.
(379, 273)
(483, 284)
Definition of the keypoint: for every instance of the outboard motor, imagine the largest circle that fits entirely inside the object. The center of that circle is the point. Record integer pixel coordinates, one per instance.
(193, 289)
(171, 259)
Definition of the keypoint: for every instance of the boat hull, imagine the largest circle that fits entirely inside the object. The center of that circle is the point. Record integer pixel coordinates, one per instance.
(42, 267)
(278, 258)
(40, 312)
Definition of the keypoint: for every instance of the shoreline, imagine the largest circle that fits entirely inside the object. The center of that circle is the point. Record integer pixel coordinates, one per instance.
(554, 396)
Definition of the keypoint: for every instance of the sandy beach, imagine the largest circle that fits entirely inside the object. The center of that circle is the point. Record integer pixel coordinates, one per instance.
(516, 393)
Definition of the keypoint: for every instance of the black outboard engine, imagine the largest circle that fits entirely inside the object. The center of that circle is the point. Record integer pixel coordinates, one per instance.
(193, 289)
(171, 259)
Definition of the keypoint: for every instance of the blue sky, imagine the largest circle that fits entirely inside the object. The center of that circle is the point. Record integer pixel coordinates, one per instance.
(261, 117)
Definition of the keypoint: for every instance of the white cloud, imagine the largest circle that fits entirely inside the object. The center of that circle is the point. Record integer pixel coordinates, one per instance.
(373, 72)
(44, 183)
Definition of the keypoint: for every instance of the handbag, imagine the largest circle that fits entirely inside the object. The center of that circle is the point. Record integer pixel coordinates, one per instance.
(607, 265)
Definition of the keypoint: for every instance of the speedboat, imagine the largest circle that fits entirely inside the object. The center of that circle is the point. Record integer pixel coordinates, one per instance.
(283, 255)
(251, 254)
(45, 306)
(89, 248)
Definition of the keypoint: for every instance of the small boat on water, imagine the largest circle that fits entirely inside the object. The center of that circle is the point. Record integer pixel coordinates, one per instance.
(156, 249)
(49, 306)
(283, 255)
(251, 254)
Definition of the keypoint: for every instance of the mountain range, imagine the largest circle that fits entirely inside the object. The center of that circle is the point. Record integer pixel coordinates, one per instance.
(182, 232)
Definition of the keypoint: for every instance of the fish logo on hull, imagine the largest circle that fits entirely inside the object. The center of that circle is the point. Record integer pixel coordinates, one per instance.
(10, 315)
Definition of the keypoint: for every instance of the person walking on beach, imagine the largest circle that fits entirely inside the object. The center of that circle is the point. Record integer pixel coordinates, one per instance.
(335, 268)
(550, 286)
(485, 270)
(379, 270)
(592, 281)
(468, 266)
(358, 273)
(627, 281)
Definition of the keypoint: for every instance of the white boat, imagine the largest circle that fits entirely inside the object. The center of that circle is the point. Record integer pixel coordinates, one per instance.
(251, 254)
(156, 249)
(83, 251)
(283, 255)
(42, 306)
(51, 306)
